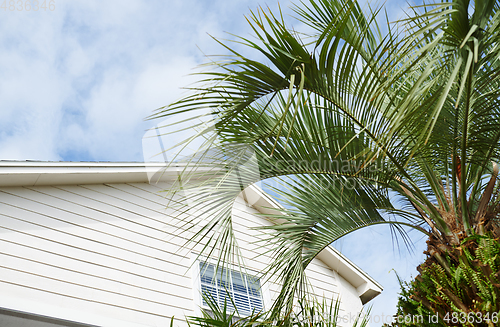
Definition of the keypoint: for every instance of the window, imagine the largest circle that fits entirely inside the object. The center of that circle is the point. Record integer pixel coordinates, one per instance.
(244, 289)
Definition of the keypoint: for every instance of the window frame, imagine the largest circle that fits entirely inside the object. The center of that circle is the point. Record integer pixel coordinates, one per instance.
(196, 279)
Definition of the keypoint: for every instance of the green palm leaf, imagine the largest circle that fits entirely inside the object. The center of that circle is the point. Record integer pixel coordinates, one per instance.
(360, 127)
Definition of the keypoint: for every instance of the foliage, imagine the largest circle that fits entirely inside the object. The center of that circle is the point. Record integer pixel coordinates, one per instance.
(360, 126)
(470, 285)
(410, 309)
(307, 314)
(467, 288)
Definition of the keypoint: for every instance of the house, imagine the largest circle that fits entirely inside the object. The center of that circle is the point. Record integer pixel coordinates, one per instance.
(94, 244)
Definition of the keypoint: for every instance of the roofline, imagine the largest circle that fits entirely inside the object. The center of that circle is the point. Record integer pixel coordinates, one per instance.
(39, 173)
(367, 287)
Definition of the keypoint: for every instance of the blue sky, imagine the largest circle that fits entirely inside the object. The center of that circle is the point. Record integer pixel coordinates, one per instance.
(77, 82)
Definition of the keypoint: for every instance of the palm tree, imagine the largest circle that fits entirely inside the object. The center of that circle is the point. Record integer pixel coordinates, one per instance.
(361, 125)
(315, 313)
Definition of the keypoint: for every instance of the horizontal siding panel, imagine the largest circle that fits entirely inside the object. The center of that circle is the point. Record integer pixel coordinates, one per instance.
(156, 188)
(59, 203)
(71, 264)
(123, 310)
(155, 305)
(114, 205)
(75, 199)
(147, 192)
(134, 230)
(100, 275)
(131, 200)
(161, 294)
(66, 232)
(90, 257)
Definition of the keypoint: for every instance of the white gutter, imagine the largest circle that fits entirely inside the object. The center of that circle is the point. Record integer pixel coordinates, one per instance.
(30, 173)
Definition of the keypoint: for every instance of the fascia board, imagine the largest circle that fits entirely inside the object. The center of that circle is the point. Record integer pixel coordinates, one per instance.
(66, 173)
(365, 285)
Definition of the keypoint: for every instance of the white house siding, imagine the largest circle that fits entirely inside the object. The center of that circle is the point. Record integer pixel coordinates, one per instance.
(110, 255)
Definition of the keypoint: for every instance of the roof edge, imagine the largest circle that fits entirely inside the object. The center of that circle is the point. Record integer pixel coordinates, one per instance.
(367, 287)
(36, 173)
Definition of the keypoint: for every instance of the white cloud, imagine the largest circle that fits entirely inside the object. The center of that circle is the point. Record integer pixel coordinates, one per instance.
(32, 89)
(78, 81)
(115, 109)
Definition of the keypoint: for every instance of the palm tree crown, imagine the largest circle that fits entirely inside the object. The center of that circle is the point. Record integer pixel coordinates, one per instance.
(361, 126)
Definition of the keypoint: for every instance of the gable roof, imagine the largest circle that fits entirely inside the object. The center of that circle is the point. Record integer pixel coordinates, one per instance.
(38, 173)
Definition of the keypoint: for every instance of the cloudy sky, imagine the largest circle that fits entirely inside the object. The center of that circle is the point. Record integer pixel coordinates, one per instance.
(76, 83)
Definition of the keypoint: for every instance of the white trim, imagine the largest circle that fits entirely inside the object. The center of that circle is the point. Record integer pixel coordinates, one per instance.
(196, 281)
(79, 173)
(52, 311)
(365, 285)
